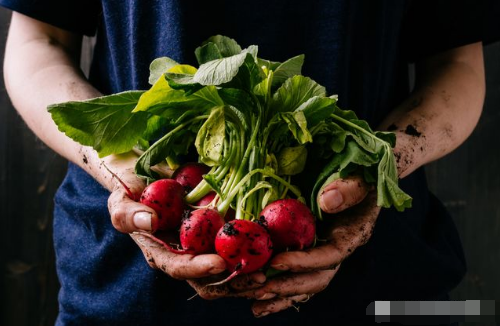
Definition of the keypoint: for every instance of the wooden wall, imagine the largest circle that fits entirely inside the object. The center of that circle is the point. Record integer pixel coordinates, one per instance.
(467, 181)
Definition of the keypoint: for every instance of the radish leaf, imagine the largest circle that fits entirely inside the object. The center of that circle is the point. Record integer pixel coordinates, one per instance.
(287, 69)
(158, 67)
(105, 123)
(210, 139)
(294, 92)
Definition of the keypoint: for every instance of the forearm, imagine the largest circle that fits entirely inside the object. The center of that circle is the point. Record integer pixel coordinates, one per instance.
(41, 67)
(442, 111)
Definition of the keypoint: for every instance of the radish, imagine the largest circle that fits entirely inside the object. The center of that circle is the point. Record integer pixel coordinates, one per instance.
(198, 230)
(230, 215)
(166, 197)
(290, 223)
(205, 201)
(245, 246)
(189, 175)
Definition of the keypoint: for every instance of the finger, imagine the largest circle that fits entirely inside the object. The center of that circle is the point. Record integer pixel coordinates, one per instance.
(348, 230)
(291, 285)
(210, 292)
(264, 308)
(128, 215)
(354, 227)
(248, 281)
(243, 282)
(179, 266)
(323, 257)
(342, 194)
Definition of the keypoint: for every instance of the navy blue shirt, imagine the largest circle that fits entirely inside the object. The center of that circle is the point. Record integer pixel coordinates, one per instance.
(357, 49)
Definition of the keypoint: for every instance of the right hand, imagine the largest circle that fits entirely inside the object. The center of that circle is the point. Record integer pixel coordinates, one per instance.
(128, 216)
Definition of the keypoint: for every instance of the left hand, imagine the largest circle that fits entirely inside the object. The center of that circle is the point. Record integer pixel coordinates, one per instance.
(313, 269)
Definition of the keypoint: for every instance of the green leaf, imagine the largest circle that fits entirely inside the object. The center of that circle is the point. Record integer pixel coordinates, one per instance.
(158, 67)
(287, 69)
(338, 138)
(196, 104)
(317, 109)
(297, 124)
(209, 96)
(359, 130)
(292, 160)
(221, 71)
(105, 123)
(227, 46)
(160, 96)
(180, 77)
(388, 191)
(210, 139)
(353, 153)
(269, 65)
(237, 98)
(207, 52)
(294, 92)
(248, 77)
(155, 126)
(387, 136)
(174, 142)
(262, 88)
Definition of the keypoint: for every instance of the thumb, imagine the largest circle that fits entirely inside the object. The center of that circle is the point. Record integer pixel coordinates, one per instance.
(128, 215)
(342, 194)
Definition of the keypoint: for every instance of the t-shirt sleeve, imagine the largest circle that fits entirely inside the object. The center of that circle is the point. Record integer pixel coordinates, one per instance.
(433, 26)
(78, 16)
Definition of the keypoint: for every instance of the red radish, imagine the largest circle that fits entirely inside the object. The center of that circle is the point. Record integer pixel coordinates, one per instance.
(245, 246)
(205, 201)
(230, 215)
(190, 174)
(197, 233)
(290, 223)
(198, 230)
(166, 197)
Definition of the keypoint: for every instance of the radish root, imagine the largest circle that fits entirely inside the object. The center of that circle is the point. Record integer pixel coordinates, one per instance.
(164, 244)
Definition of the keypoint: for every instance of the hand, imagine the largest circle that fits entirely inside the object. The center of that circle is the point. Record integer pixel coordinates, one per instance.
(128, 215)
(313, 269)
(178, 266)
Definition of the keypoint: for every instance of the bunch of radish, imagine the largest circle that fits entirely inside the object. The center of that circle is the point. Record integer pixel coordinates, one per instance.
(254, 124)
(245, 245)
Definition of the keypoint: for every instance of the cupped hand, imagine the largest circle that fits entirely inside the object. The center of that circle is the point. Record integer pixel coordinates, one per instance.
(128, 215)
(178, 266)
(310, 271)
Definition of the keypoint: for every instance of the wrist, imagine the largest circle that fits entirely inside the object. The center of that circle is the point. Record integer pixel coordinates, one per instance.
(112, 170)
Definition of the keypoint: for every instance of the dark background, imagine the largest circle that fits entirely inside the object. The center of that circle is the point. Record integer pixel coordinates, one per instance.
(466, 181)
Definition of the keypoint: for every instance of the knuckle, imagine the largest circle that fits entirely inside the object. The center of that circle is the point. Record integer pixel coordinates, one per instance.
(118, 218)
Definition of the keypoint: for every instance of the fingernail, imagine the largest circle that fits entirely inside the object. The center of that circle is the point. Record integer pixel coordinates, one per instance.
(142, 220)
(216, 270)
(266, 296)
(331, 200)
(280, 267)
(259, 278)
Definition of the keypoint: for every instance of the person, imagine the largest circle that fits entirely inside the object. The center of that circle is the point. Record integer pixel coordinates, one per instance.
(358, 49)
